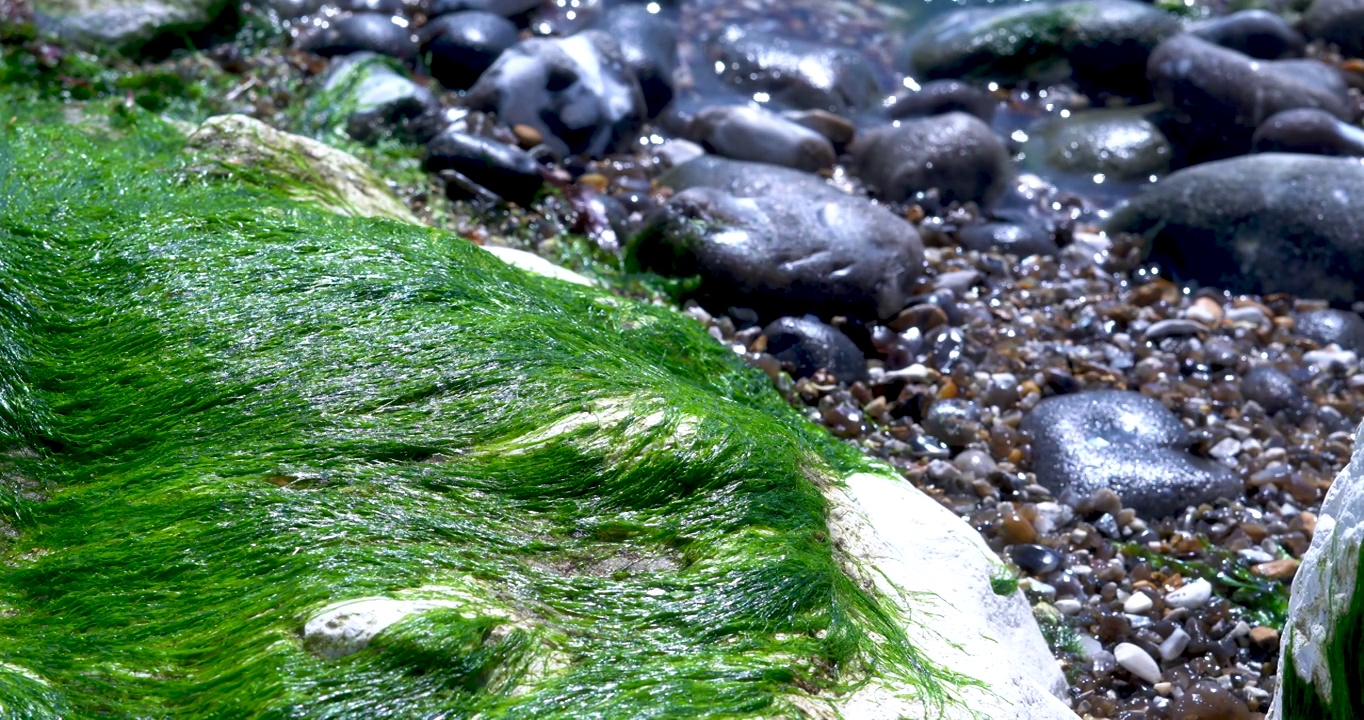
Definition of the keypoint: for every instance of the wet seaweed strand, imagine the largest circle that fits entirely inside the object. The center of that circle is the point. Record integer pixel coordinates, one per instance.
(225, 411)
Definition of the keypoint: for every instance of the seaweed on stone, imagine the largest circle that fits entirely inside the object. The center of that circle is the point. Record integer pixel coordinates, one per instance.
(244, 410)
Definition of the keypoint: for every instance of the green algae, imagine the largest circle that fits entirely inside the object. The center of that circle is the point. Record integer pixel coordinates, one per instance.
(241, 410)
(1266, 599)
(1302, 699)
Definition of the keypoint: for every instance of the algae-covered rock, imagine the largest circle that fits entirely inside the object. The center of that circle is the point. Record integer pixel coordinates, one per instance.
(125, 25)
(308, 465)
(1319, 664)
(302, 168)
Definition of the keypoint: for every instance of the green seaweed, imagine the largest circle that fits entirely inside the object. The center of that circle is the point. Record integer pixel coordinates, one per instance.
(1266, 599)
(1302, 699)
(239, 410)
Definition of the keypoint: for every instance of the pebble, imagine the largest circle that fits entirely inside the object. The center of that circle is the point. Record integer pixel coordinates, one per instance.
(1277, 569)
(1192, 595)
(1138, 603)
(1035, 559)
(1173, 646)
(1068, 606)
(1208, 701)
(1265, 637)
(1136, 661)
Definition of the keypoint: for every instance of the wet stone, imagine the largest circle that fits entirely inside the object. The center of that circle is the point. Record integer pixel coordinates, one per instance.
(362, 32)
(576, 91)
(939, 97)
(1208, 701)
(648, 43)
(1327, 326)
(380, 100)
(809, 345)
(954, 421)
(956, 155)
(1037, 560)
(1257, 33)
(1273, 390)
(505, 170)
(1125, 442)
(1020, 240)
(795, 73)
(747, 133)
(458, 47)
(1308, 130)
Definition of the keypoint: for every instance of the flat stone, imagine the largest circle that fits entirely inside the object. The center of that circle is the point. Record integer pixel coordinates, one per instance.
(1136, 661)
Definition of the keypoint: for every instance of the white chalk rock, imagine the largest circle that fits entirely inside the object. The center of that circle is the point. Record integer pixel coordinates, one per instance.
(1193, 595)
(937, 570)
(1323, 591)
(347, 627)
(1137, 661)
(532, 263)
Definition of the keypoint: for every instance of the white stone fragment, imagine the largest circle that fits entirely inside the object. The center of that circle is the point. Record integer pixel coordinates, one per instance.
(1174, 645)
(532, 263)
(1191, 596)
(1138, 603)
(347, 627)
(1136, 661)
(1068, 606)
(936, 570)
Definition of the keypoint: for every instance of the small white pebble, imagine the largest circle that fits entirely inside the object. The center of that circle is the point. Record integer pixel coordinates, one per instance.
(1068, 606)
(1174, 645)
(1328, 359)
(1090, 647)
(1241, 629)
(1163, 688)
(1227, 448)
(1137, 604)
(1193, 595)
(1254, 555)
(1135, 660)
(1081, 569)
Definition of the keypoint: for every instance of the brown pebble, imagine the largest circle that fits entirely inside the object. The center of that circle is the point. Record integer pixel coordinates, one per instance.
(1208, 701)
(924, 316)
(1206, 310)
(1013, 528)
(1265, 637)
(1277, 569)
(595, 181)
(1309, 523)
(527, 136)
(948, 390)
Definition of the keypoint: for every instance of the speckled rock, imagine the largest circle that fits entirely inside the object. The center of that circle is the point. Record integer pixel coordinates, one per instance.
(1220, 96)
(576, 91)
(1125, 442)
(1274, 222)
(796, 73)
(361, 32)
(748, 133)
(784, 253)
(955, 154)
(1308, 130)
(1102, 44)
(1118, 144)
(1340, 22)
(1341, 327)
(123, 25)
(457, 48)
(809, 345)
(1257, 33)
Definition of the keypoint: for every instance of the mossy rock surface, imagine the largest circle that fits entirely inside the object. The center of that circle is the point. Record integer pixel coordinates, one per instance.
(225, 415)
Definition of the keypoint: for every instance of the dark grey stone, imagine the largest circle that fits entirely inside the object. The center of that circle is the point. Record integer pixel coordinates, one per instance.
(1274, 390)
(939, 97)
(1340, 22)
(511, 9)
(123, 25)
(1119, 144)
(954, 421)
(1125, 442)
(577, 91)
(742, 132)
(747, 179)
(1316, 132)
(506, 170)
(458, 47)
(808, 345)
(1221, 96)
(1266, 223)
(1036, 560)
(648, 42)
(1324, 327)
(1102, 44)
(361, 32)
(1020, 240)
(955, 154)
(795, 73)
(825, 254)
(1257, 33)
